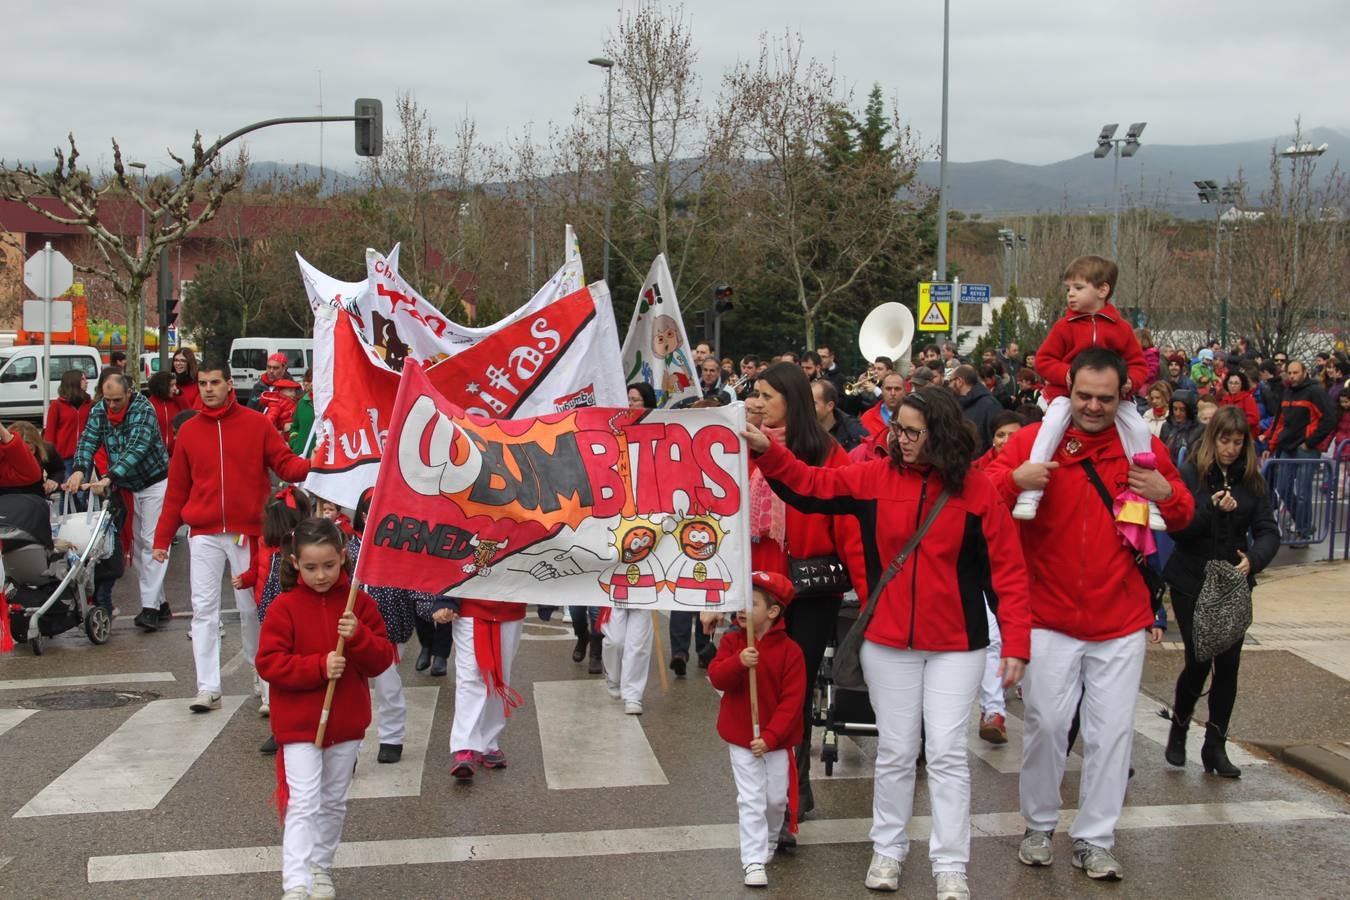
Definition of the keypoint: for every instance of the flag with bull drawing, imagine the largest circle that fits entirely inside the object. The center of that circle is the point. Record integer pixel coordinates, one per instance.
(656, 349)
(600, 506)
(563, 355)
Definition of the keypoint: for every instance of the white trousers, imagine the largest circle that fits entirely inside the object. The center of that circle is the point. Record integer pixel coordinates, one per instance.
(991, 686)
(317, 781)
(909, 689)
(1134, 433)
(1106, 674)
(214, 556)
(627, 651)
(761, 799)
(391, 708)
(479, 716)
(150, 574)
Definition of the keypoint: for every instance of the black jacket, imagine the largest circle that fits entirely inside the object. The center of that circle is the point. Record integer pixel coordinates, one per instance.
(980, 407)
(847, 430)
(1186, 435)
(1304, 421)
(1214, 534)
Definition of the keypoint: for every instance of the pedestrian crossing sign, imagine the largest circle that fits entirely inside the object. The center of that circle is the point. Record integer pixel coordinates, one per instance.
(935, 306)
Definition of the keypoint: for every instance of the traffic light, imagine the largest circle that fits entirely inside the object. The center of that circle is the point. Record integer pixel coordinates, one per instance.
(369, 127)
(722, 298)
(171, 312)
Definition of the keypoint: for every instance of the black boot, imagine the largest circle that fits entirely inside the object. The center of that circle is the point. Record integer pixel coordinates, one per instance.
(1214, 754)
(423, 660)
(597, 665)
(438, 666)
(579, 651)
(1175, 753)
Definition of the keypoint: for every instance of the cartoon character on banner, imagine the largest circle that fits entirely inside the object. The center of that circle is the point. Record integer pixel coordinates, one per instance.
(669, 347)
(701, 580)
(638, 576)
(483, 551)
(388, 343)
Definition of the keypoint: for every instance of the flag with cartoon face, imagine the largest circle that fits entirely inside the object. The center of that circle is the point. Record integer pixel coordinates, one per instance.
(656, 349)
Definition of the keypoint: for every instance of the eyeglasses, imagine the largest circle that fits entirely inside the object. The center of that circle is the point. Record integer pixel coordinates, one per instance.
(907, 433)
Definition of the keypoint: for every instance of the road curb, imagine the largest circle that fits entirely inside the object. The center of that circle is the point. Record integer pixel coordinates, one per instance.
(1329, 763)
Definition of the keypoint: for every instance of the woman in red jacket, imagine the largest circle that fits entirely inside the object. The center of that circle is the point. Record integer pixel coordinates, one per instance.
(67, 415)
(184, 367)
(1237, 392)
(788, 408)
(164, 398)
(924, 650)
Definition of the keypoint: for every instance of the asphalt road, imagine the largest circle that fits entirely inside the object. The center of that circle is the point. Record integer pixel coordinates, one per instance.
(657, 819)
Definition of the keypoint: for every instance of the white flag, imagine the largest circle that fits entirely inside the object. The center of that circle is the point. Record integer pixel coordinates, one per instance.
(656, 349)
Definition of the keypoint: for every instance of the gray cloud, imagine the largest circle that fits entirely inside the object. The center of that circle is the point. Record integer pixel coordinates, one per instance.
(1030, 82)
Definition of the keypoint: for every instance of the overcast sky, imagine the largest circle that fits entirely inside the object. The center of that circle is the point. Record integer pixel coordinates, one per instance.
(1030, 81)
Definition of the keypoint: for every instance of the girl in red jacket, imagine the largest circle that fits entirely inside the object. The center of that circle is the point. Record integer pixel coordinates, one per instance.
(296, 656)
(1237, 392)
(164, 398)
(761, 753)
(67, 415)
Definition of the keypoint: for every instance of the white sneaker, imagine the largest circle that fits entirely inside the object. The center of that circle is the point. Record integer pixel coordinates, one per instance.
(323, 883)
(632, 707)
(205, 701)
(883, 874)
(952, 886)
(613, 688)
(1024, 509)
(1155, 519)
(756, 876)
(264, 711)
(296, 894)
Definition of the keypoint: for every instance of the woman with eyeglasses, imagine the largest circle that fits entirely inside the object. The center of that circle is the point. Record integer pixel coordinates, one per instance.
(923, 653)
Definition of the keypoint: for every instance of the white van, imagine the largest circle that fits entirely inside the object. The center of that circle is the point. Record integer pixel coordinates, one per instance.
(248, 358)
(20, 389)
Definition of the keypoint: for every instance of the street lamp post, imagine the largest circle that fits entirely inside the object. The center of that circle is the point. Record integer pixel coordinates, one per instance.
(1293, 153)
(140, 248)
(942, 160)
(1107, 143)
(608, 66)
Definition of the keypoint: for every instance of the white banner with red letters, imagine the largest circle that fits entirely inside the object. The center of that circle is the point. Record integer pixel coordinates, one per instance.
(590, 506)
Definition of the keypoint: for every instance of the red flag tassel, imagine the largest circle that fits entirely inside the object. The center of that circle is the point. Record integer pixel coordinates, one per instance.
(487, 650)
(792, 791)
(281, 797)
(6, 636)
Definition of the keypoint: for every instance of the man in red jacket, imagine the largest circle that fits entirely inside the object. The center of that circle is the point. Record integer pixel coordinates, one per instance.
(1090, 608)
(217, 485)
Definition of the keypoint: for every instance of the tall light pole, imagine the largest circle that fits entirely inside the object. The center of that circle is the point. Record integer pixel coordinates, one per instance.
(608, 66)
(942, 161)
(1108, 143)
(1293, 153)
(1210, 192)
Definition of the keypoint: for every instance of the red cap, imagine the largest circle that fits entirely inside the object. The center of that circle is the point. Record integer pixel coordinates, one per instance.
(281, 383)
(277, 358)
(775, 585)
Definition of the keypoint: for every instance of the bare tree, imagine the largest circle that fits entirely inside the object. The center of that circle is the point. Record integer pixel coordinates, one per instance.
(822, 228)
(1286, 257)
(173, 208)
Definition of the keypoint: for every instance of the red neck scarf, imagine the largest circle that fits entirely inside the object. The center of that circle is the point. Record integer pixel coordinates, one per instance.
(115, 418)
(219, 412)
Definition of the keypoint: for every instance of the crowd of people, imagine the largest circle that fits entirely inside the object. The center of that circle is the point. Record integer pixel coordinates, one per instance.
(994, 519)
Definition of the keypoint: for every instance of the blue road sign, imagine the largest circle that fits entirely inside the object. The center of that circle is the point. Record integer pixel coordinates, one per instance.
(975, 293)
(940, 292)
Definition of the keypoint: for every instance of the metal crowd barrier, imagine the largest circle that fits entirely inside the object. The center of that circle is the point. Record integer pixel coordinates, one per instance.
(1310, 500)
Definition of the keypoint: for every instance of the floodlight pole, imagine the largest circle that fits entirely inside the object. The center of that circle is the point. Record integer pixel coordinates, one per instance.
(608, 66)
(1115, 189)
(942, 164)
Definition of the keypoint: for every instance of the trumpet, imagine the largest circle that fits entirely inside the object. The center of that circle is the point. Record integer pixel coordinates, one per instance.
(865, 380)
(735, 386)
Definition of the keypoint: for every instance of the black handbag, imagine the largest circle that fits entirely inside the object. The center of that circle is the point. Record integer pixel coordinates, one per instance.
(847, 670)
(819, 576)
(1153, 579)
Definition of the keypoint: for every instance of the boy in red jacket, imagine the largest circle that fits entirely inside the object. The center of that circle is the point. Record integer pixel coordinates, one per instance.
(1089, 282)
(761, 753)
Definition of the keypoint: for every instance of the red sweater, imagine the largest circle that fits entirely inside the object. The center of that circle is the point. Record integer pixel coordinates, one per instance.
(165, 410)
(873, 421)
(299, 632)
(218, 474)
(18, 466)
(1076, 332)
(260, 566)
(1247, 403)
(189, 397)
(1084, 582)
(65, 421)
(780, 680)
(937, 599)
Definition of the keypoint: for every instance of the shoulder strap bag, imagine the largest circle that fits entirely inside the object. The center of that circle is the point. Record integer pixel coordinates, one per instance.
(847, 666)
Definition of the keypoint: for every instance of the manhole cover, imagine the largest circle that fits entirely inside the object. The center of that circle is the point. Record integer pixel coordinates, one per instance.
(88, 699)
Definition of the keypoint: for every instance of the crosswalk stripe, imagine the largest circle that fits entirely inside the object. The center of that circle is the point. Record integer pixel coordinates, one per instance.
(602, 748)
(136, 765)
(1154, 727)
(23, 684)
(11, 717)
(1006, 758)
(665, 839)
(404, 778)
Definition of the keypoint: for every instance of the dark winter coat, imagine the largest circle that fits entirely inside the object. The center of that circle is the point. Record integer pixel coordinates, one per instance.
(980, 407)
(1214, 534)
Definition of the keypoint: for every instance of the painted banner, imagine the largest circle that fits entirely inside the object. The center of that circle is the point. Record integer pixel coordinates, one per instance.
(656, 349)
(560, 357)
(591, 507)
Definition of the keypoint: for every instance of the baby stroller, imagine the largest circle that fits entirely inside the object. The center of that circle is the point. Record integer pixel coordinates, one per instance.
(49, 578)
(837, 710)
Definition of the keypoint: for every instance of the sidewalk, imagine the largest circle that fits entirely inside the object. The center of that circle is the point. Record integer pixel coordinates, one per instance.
(1294, 687)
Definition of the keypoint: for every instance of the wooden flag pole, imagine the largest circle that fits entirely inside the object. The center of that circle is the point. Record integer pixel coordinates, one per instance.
(754, 681)
(660, 652)
(332, 682)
